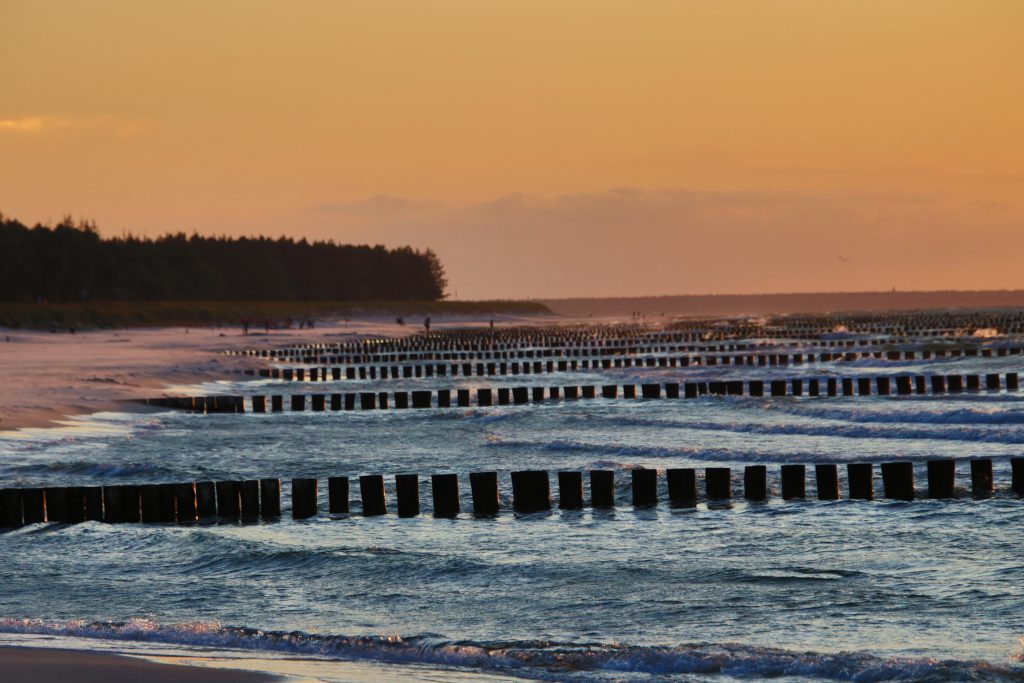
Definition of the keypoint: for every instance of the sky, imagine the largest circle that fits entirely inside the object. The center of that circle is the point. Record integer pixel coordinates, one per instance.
(543, 148)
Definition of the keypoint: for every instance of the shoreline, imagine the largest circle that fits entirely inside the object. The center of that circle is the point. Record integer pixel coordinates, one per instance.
(55, 665)
(50, 377)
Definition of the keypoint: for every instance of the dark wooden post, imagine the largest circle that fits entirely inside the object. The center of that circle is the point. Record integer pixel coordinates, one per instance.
(250, 499)
(206, 500)
(981, 476)
(270, 498)
(827, 480)
(57, 508)
(645, 487)
(185, 502)
(755, 482)
(570, 490)
(602, 489)
(718, 483)
(860, 479)
(407, 490)
(304, 498)
(793, 482)
(531, 491)
(371, 492)
(445, 493)
(484, 487)
(229, 499)
(898, 480)
(682, 486)
(337, 495)
(941, 475)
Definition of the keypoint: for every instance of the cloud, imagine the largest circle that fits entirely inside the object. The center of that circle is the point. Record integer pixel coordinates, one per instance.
(32, 125)
(41, 125)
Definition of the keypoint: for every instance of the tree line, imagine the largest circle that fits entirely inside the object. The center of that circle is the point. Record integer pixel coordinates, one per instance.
(71, 262)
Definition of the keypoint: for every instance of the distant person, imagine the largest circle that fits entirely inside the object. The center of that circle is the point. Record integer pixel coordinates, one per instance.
(426, 324)
(400, 320)
(492, 324)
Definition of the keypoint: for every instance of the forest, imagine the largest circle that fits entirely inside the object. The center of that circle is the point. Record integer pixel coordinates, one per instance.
(71, 262)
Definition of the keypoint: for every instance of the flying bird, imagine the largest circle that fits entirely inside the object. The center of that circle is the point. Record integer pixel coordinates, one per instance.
(843, 259)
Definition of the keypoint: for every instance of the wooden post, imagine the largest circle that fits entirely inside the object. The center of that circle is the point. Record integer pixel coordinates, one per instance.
(898, 480)
(531, 491)
(602, 489)
(650, 390)
(463, 397)
(304, 498)
(941, 475)
(981, 476)
(185, 503)
(337, 495)
(570, 490)
(229, 499)
(206, 500)
(259, 404)
(483, 397)
(718, 483)
(1017, 482)
(10, 508)
(793, 482)
(371, 492)
(277, 403)
(407, 490)
(33, 506)
(682, 487)
(270, 498)
(645, 487)
(57, 508)
(445, 493)
(755, 482)
(250, 499)
(94, 503)
(149, 499)
(484, 487)
(827, 481)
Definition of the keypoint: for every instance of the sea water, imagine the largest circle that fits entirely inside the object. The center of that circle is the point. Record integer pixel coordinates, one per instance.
(847, 590)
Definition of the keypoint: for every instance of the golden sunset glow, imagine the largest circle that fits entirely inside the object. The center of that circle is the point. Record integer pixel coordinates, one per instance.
(541, 148)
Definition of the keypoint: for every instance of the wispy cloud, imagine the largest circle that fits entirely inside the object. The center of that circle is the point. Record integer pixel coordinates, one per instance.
(42, 125)
(31, 125)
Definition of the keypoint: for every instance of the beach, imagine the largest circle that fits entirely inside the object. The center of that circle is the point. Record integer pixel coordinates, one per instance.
(50, 376)
(36, 665)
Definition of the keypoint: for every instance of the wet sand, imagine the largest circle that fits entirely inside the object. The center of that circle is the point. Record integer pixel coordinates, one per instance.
(50, 376)
(36, 665)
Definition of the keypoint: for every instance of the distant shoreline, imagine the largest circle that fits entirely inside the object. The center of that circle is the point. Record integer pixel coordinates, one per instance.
(784, 303)
(92, 315)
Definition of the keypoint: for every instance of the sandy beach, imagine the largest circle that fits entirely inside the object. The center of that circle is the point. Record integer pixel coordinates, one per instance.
(35, 665)
(51, 376)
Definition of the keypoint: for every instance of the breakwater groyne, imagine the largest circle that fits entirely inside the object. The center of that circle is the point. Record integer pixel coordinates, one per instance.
(531, 491)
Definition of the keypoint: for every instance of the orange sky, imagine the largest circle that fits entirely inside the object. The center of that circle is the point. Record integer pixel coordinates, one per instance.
(542, 148)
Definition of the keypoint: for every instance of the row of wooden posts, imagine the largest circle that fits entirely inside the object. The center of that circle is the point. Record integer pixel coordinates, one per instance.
(726, 354)
(491, 369)
(531, 492)
(901, 385)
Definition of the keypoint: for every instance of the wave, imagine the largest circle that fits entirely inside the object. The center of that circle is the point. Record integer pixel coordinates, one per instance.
(539, 659)
(101, 470)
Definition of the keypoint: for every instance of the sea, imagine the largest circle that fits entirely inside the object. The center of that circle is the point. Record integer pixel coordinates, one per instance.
(849, 590)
